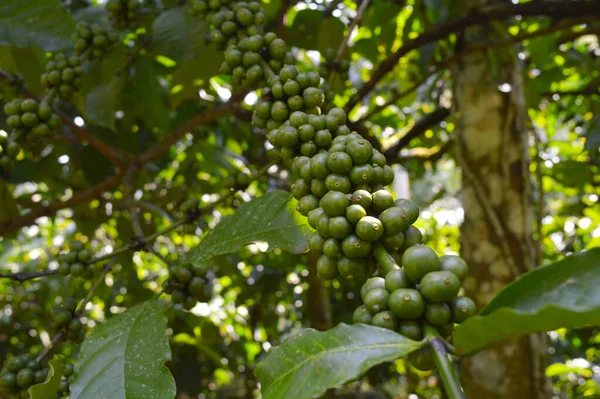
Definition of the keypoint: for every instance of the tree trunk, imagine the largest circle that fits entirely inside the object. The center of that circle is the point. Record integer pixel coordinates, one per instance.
(497, 234)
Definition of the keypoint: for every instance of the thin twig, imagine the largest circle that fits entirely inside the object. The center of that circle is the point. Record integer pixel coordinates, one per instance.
(97, 282)
(398, 96)
(342, 49)
(430, 157)
(133, 214)
(80, 309)
(419, 128)
(110, 183)
(144, 241)
(28, 276)
(486, 14)
(456, 57)
(47, 349)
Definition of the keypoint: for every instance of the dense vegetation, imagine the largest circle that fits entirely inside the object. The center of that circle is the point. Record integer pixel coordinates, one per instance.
(192, 184)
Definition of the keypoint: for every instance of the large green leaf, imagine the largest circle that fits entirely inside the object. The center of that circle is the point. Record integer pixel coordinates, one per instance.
(101, 103)
(146, 96)
(124, 358)
(306, 365)
(563, 294)
(304, 29)
(270, 218)
(49, 388)
(28, 62)
(173, 34)
(41, 23)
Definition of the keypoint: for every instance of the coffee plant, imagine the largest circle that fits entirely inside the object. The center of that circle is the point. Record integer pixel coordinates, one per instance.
(178, 179)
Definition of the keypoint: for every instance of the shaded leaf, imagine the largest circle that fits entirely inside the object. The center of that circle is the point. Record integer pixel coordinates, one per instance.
(331, 34)
(563, 294)
(28, 62)
(49, 388)
(305, 28)
(8, 204)
(101, 103)
(171, 34)
(592, 139)
(270, 218)
(41, 23)
(571, 173)
(147, 95)
(306, 365)
(124, 358)
(367, 48)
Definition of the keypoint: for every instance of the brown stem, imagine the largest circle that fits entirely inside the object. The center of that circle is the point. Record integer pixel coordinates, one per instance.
(342, 49)
(419, 128)
(28, 276)
(484, 15)
(110, 183)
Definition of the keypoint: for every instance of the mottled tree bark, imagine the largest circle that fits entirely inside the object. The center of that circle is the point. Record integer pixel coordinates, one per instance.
(497, 235)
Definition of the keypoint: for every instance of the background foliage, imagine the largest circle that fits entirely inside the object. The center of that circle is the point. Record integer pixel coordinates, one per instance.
(155, 124)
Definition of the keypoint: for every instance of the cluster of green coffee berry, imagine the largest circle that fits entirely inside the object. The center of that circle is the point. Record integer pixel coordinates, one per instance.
(63, 74)
(328, 65)
(424, 290)
(123, 13)
(340, 184)
(8, 153)
(93, 42)
(65, 382)
(230, 21)
(75, 261)
(21, 372)
(32, 123)
(65, 319)
(246, 61)
(188, 285)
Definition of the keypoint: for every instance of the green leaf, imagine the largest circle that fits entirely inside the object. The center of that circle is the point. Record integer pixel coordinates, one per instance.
(8, 204)
(102, 102)
(124, 358)
(171, 34)
(305, 29)
(571, 173)
(146, 96)
(331, 34)
(41, 23)
(29, 62)
(367, 47)
(592, 139)
(270, 218)
(49, 388)
(306, 365)
(563, 294)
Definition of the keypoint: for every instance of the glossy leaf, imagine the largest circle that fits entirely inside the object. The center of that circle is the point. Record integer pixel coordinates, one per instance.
(306, 365)
(271, 218)
(563, 294)
(124, 358)
(49, 388)
(41, 23)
